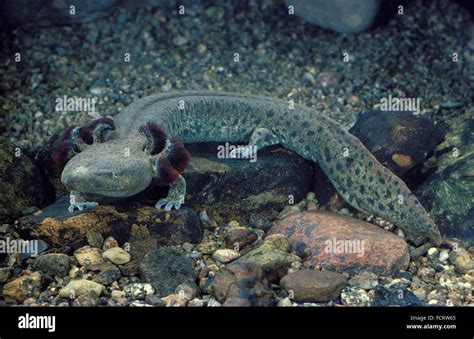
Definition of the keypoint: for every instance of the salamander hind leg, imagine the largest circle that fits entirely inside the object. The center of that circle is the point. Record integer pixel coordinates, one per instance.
(260, 138)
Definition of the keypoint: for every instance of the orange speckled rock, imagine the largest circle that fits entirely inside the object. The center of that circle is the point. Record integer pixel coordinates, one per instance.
(344, 244)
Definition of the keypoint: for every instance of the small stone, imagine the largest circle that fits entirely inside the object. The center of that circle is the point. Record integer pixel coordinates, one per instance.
(239, 237)
(274, 262)
(196, 303)
(88, 255)
(285, 302)
(90, 299)
(154, 300)
(138, 291)
(365, 280)
(461, 259)
(201, 48)
(23, 287)
(79, 287)
(225, 256)
(207, 247)
(314, 286)
(188, 290)
(443, 255)
(175, 300)
(402, 160)
(5, 273)
(206, 221)
(394, 297)
(213, 303)
(187, 247)
(117, 255)
(108, 276)
(95, 239)
(109, 243)
(74, 272)
(54, 264)
(260, 222)
(432, 253)
(180, 40)
(355, 296)
(278, 241)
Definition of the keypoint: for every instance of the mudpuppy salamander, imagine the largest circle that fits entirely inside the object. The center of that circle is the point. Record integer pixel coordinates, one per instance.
(120, 158)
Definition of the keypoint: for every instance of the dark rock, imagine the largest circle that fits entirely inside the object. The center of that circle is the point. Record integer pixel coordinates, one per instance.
(314, 286)
(399, 140)
(130, 269)
(108, 276)
(54, 264)
(329, 240)
(22, 183)
(242, 285)
(165, 269)
(90, 299)
(394, 297)
(141, 242)
(239, 237)
(235, 189)
(343, 16)
(448, 191)
(59, 227)
(260, 222)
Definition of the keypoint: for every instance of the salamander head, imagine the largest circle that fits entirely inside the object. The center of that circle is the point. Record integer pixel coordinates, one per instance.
(114, 169)
(120, 167)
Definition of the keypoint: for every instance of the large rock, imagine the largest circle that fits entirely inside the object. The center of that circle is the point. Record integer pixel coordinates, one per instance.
(22, 183)
(165, 269)
(448, 192)
(344, 244)
(399, 140)
(235, 189)
(59, 227)
(314, 286)
(343, 16)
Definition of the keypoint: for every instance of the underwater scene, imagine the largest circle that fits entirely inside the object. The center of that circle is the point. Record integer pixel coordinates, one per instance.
(198, 153)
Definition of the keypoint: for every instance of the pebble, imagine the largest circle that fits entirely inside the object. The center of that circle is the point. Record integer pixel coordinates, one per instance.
(109, 243)
(355, 296)
(206, 221)
(225, 256)
(138, 291)
(54, 264)
(285, 302)
(365, 280)
(76, 288)
(88, 255)
(117, 255)
(25, 286)
(461, 259)
(314, 286)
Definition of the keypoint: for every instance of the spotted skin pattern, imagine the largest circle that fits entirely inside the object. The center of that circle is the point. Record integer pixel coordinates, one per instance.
(205, 116)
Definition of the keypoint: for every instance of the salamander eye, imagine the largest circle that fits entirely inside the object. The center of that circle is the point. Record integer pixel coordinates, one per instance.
(98, 130)
(155, 138)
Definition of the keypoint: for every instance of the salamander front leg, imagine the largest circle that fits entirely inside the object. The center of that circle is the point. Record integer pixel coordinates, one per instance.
(260, 138)
(77, 200)
(175, 195)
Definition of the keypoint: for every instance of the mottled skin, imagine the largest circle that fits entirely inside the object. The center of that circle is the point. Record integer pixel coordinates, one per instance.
(203, 116)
